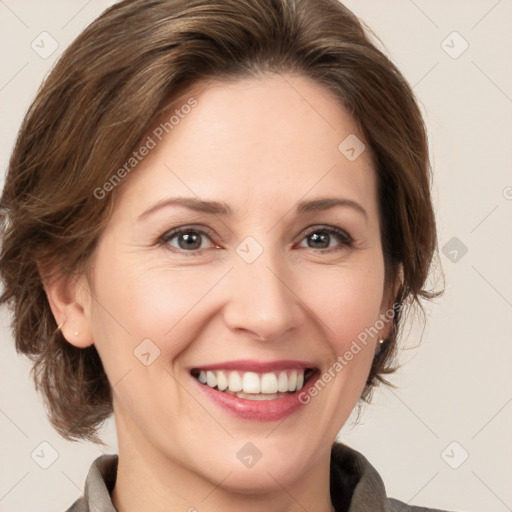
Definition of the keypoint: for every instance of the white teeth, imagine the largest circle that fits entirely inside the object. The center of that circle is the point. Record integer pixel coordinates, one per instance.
(222, 381)
(300, 380)
(258, 396)
(252, 383)
(235, 382)
(292, 381)
(269, 383)
(282, 382)
(211, 379)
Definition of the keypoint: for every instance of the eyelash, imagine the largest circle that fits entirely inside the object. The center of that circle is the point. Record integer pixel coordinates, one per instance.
(345, 239)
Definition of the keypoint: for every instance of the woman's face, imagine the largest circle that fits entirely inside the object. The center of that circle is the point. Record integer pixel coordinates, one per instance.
(281, 283)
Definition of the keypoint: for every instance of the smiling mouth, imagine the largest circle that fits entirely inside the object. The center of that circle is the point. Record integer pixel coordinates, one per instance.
(253, 385)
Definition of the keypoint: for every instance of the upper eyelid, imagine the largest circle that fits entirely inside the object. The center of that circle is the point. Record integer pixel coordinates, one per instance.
(187, 227)
(325, 227)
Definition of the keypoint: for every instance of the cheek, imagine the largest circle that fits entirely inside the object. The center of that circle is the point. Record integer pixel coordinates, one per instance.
(348, 303)
(347, 307)
(136, 302)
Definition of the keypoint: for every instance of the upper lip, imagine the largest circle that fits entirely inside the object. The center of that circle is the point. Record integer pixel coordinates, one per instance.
(252, 365)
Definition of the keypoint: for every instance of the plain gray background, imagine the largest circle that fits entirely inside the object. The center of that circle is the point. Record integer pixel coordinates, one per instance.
(442, 437)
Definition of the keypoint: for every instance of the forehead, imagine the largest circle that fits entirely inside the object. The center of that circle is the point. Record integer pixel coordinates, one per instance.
(254, 139)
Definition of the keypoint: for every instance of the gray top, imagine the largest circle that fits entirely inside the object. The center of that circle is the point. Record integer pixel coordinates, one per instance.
(355, 486)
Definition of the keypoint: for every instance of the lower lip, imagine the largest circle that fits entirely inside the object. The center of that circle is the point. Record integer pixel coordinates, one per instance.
(258, 410)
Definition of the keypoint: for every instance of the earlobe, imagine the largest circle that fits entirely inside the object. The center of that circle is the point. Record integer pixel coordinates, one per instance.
(69, 300)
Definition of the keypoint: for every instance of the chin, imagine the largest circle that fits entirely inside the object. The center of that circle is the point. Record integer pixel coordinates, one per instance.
(252, 471)
(259, 479)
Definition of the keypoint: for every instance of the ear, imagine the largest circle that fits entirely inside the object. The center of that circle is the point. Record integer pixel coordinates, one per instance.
(69, 297)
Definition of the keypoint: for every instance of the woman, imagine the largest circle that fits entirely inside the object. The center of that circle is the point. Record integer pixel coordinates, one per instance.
(216, 212)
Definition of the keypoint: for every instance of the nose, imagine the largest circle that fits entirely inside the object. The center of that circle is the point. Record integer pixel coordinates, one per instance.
(262, 301)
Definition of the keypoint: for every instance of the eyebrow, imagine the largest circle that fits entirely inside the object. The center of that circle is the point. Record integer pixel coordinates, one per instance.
(220, 208)
(192, 203)
(326, 203)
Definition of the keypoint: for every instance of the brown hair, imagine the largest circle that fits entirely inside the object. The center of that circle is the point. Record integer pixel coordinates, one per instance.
(102, 97)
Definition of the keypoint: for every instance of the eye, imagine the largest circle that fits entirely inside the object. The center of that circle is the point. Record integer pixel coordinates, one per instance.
(187, 239)
(194, 240)
(322, 237)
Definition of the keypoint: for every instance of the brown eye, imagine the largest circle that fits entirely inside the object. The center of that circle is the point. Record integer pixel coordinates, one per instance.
(187, 240)
(323, 238)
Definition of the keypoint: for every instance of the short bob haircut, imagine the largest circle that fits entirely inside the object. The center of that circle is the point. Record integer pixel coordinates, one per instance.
(97, 105)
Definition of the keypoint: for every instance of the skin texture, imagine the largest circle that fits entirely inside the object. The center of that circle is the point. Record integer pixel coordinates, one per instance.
(260, 145)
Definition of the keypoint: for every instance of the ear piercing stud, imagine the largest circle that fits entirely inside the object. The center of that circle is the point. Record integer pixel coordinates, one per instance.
(60, 327)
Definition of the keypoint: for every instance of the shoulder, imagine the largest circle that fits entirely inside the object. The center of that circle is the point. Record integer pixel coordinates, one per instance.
(399, 506)
(356, 486)
(98, 486)
(80, 505)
